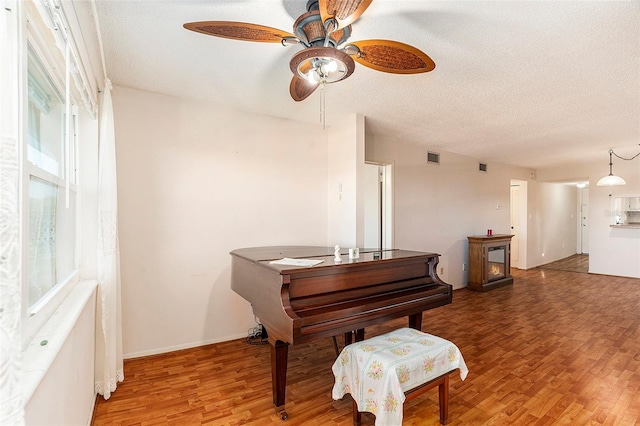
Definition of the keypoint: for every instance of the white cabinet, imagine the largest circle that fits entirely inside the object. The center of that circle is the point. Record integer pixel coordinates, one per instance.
(627, 210)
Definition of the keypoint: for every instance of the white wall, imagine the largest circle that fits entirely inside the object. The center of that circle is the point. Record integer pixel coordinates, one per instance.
(345, 180)
(551, 223)
(437, 206)
(611, 251)
(196, 181)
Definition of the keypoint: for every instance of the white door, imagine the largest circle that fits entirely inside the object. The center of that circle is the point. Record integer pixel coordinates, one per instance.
(584, 220)
(515, 226)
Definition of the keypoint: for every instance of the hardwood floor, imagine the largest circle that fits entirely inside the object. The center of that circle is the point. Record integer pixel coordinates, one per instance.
(575, 263)
(554, 348)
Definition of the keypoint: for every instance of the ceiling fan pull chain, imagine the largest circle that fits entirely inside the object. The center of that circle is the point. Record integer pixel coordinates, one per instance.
(322, 106)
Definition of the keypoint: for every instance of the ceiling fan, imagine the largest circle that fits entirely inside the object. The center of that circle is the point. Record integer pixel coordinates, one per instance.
(327, 57)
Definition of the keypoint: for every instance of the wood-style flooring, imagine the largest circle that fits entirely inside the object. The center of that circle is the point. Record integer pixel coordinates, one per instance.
(554, 348)
(575, 263)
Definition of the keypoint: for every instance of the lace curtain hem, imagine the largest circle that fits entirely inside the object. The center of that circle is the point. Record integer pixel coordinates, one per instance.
(112, 385)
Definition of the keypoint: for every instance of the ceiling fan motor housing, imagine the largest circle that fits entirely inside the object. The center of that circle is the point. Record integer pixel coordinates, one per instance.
(312, 5)
(310, 29)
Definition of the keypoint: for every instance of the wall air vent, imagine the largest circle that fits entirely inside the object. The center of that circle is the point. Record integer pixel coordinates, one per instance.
(433, 158)
(482, 167)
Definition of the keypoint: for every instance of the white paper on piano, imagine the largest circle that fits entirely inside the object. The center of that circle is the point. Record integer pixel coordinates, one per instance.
(296, 262)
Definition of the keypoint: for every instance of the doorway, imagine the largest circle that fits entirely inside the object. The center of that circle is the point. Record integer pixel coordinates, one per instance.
(515, 226)
(583, 233)
(378, 206)
(518, 219)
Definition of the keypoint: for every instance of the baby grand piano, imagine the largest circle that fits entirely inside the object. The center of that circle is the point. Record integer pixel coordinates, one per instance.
(300, 304)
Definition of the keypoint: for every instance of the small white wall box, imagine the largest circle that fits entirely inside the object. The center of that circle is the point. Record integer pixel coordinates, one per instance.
(354, 253)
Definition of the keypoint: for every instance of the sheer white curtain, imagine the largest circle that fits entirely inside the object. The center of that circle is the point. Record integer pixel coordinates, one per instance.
(11, 404)
(109, 364)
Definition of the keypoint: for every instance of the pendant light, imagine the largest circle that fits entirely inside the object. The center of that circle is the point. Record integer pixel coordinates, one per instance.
(611, 179)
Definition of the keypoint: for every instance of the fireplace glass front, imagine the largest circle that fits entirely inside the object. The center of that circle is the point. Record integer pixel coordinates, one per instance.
(496, 263)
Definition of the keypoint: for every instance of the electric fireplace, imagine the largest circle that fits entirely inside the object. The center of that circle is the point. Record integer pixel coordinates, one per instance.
(489, 262)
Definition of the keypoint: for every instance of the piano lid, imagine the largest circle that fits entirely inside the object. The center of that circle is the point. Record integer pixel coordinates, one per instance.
(264, 255)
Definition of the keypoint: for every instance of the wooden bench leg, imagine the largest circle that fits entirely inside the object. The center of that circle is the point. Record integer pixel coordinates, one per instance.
(443, 395)
(357, 416)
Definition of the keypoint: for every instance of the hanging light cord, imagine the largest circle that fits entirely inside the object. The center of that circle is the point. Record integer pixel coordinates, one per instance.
(627, 159)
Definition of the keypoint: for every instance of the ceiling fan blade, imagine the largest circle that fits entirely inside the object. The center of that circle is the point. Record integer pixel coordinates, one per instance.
(239, 31)
(392, 56)
(343, 11)
(300, 88)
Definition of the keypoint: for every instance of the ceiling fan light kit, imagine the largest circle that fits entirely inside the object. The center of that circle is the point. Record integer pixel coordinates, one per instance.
(322, 64)
(321, 31)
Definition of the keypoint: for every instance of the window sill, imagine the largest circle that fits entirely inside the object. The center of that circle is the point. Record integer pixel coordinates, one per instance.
(42, 350)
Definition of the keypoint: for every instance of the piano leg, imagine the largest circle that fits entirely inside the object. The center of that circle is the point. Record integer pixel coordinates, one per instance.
(353, 336)
(279, 355)
(348, 338)
(415, 321)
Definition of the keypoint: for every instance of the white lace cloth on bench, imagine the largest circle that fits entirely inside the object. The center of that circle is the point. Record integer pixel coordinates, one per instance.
(409, 357)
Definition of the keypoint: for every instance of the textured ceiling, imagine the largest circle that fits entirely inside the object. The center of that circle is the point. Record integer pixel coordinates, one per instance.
(537, 84)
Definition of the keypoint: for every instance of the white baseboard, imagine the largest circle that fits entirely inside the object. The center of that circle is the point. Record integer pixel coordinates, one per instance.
(180, 347)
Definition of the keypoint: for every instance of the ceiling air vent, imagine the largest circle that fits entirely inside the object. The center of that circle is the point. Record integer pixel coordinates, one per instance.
(433, 158)
(482, 167)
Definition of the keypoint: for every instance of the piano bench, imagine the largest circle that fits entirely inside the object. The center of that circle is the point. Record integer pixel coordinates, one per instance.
(383, 372)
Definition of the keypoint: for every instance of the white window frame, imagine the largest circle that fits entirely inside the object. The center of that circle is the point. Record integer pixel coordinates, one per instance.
(46, 48)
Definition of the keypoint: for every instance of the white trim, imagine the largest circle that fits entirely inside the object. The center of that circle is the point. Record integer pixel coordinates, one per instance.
(182, 346)
(67, 122)
(37, 40)
(41, 311)
(33, 170)
(71, 279)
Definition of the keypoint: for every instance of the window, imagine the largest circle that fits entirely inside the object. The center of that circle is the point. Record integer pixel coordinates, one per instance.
(49, 193)
(45, 117)
(51, 239)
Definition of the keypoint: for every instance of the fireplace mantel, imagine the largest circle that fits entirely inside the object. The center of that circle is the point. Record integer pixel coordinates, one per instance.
(489, 262)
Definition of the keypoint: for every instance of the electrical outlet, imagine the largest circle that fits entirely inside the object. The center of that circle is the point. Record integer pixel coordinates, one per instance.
(441, 270)
(464, 267)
